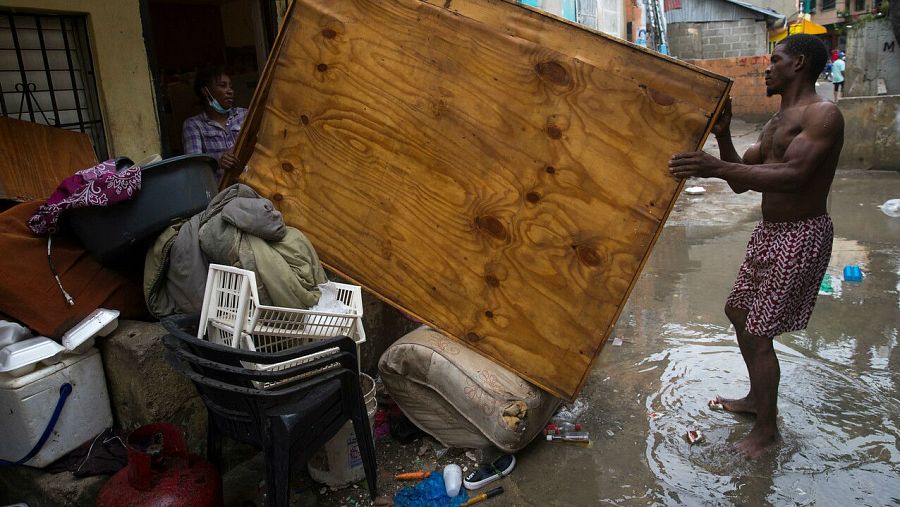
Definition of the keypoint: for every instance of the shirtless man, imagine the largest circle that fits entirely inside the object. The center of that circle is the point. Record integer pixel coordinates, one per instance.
(793, 165)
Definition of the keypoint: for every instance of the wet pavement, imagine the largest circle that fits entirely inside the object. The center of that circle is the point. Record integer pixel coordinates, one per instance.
(673, 349)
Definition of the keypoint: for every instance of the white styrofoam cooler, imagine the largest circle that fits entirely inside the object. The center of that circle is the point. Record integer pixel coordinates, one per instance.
(27, 404)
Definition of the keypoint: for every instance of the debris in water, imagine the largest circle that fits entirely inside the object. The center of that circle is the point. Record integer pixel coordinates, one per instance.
(715, 404)
(891, 208)
(695, 190)
(693, 436)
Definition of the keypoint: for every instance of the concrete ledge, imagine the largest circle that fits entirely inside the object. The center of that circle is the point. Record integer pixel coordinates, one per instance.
(871, 132)
(143, 388)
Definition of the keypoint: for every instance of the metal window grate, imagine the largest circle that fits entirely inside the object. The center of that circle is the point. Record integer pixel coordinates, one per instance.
(47, 74)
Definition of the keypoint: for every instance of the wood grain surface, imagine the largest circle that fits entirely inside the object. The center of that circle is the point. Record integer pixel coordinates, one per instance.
(498, 173)
(35, 158)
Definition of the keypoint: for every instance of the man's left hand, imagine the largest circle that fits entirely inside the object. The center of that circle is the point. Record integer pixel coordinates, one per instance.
(695, 164)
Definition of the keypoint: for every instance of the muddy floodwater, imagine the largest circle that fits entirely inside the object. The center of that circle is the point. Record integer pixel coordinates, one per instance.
(673, 349)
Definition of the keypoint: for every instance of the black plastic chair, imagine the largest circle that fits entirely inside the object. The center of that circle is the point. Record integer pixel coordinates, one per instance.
(289, 423)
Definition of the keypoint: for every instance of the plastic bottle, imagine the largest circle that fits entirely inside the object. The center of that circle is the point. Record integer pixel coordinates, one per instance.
(571, 436)
(452, 480)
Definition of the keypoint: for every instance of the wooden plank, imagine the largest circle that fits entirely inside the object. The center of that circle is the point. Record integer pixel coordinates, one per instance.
(498, 173)
(35, 158)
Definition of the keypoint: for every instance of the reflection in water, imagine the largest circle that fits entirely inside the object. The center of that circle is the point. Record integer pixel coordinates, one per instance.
(839, 447)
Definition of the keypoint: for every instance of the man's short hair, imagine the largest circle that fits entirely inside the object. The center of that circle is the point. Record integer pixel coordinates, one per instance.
(206, 76)
(809, 46)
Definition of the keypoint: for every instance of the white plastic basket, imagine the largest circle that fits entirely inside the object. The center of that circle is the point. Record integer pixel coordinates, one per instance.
(232, 316)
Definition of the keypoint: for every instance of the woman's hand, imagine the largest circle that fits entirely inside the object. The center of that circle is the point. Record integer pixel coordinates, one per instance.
(228, 161)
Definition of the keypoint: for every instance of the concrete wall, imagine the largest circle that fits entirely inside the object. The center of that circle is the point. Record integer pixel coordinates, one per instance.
(873, 53)
(718, 39)
(871, 132)
(122, 70)
(749, 90)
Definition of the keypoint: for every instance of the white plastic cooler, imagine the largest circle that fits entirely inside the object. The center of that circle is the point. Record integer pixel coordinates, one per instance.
(29, 400)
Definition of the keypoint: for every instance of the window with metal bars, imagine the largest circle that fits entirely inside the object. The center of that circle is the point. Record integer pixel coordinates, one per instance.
(828, 4)
(47, 74)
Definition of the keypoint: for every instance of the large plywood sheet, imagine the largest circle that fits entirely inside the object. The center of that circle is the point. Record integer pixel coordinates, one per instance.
(498, 173)
(35, 158)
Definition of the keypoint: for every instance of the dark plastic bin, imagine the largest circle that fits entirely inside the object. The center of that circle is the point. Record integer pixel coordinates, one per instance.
(171, 189)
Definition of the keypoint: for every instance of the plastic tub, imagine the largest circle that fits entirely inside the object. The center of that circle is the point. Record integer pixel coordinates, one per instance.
(171, 189)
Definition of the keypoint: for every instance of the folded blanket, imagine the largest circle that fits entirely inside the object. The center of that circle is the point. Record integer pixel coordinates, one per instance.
(239, 228)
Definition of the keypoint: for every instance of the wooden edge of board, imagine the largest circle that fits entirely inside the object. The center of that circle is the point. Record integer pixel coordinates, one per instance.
(709, 125)
(655, 54)
(243, 147)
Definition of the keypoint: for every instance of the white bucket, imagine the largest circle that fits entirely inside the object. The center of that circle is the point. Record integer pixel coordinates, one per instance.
(339, 462)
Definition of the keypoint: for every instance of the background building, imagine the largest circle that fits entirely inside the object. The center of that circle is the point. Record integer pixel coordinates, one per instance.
(706, 29)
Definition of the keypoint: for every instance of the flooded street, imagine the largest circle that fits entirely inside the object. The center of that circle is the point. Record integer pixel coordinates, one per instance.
(673, 349)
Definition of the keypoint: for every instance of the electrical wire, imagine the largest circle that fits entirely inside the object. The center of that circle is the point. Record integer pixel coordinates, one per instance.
(69, 299)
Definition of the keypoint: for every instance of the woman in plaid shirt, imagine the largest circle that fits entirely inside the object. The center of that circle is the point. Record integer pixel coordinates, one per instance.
(215, 130)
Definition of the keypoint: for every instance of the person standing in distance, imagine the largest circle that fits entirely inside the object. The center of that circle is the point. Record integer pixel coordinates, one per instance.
(215, 130)
(793, 165)
(837, 75)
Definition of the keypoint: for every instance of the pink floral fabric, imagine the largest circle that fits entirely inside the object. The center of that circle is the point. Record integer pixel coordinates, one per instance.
(100, 185)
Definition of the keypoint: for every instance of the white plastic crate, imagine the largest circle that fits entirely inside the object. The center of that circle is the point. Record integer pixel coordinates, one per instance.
(232, 316)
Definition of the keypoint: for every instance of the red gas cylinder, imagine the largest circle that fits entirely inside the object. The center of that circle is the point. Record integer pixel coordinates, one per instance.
(161, 473)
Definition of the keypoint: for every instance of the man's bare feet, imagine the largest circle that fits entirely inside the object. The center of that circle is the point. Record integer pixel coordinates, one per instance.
(757, 442)
(743, 405)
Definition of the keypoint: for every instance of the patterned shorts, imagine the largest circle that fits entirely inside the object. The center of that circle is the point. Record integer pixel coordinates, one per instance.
(779, 280)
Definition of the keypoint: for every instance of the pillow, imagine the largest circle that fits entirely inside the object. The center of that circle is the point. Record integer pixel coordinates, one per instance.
(460, 397)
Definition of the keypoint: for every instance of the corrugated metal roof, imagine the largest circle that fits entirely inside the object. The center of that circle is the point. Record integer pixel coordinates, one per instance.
(762, 10)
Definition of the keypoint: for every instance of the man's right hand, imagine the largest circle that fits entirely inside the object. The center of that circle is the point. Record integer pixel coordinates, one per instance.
(723, 124)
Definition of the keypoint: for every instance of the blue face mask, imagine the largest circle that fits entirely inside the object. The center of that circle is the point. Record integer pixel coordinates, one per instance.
(213, 103)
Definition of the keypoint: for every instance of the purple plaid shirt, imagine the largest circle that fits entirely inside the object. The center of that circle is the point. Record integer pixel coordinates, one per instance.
(200, 134)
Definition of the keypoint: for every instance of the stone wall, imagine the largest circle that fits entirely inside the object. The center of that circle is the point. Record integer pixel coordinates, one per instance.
(873, 54)
(749, 90)
(871, 132)
(717, 39)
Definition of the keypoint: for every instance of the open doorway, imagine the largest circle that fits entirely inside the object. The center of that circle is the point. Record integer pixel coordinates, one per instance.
(189, 34)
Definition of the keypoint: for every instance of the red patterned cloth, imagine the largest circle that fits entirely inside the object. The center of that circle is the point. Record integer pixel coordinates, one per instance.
(100, 185)
(779, 280)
